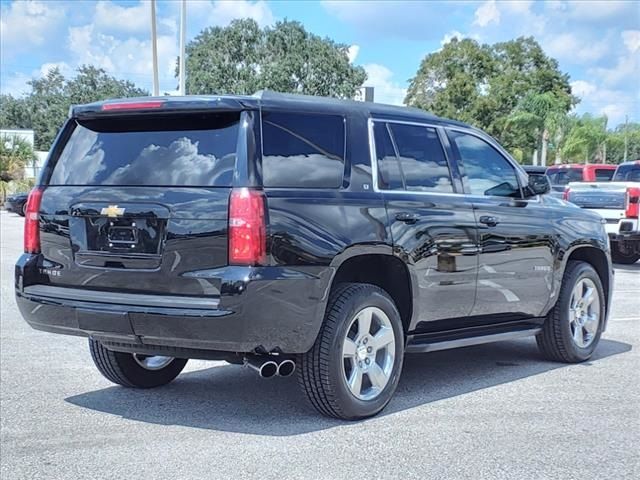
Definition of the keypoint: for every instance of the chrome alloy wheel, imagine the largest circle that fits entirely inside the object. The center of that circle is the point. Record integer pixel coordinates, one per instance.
(152, 362)
(584, 312)
(368, 353)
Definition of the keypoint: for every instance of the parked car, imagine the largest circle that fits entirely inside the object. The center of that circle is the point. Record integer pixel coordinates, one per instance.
(618, 203)
(562, 175)
(16, 203)
(627, 172)
(299, 233)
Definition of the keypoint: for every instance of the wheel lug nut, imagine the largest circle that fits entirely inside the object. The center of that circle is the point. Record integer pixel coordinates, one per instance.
(367, 361)
(360, 364)
(369, 349)
(365, 341)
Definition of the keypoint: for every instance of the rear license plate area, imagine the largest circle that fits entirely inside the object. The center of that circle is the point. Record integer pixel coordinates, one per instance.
(122, 235)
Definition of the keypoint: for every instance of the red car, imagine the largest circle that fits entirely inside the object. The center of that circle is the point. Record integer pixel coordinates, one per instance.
(561, 175)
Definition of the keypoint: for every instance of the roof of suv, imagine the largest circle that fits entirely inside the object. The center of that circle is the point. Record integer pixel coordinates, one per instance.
(261, 99)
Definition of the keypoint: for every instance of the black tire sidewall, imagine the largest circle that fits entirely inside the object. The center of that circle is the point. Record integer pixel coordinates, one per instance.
(583, 270)
(351, 406)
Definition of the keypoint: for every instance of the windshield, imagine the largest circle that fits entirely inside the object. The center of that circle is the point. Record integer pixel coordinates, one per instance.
(627, 173)
(187, 151)
(564, 176)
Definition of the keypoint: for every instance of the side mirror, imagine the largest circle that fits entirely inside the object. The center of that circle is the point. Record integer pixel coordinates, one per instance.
(539, 184)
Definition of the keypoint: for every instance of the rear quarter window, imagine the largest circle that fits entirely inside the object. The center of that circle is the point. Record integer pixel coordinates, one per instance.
(302, 150)
(150, 151)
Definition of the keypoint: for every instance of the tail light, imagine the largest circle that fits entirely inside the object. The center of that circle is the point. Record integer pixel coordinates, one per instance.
(632, 202)
(247, 227)
(143, 105)
(565, 194)
(31, 222)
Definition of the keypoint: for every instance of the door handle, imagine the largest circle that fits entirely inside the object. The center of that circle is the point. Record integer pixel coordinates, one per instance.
(407, 217)
(489, 220)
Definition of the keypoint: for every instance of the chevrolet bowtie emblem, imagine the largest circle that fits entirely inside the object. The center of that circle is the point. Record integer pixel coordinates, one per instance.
(112, 211)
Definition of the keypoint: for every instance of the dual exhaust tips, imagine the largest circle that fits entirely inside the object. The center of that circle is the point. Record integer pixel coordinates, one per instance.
(270, 368)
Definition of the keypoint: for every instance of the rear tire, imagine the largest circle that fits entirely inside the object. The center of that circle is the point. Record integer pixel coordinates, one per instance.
(124, 369)
(22, 211)
(572, 330)
(623, 258)
(351, 373)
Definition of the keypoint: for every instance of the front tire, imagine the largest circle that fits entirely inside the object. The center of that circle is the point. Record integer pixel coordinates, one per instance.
(134, 370)
(573, 327)
(353, 369)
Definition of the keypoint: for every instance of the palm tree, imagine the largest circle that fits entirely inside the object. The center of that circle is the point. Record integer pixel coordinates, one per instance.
(15, 154)
(543, 113)
(587, 138)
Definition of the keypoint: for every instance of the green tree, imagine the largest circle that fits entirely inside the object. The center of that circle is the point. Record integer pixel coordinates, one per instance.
(542, 113)
(484, 84)
(14, 112)
(586, 140)
(15, 154)
(616, 142)
(243, 58)
(45, 108)
(453, 82)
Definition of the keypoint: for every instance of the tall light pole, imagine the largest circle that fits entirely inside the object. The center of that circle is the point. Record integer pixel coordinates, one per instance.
(154, 49)
(183, 30)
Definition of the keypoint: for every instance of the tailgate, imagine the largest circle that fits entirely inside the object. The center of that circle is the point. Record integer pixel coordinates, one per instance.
(139, 205)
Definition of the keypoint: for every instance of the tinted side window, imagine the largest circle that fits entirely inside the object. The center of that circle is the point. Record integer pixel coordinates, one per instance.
(302, 150)
(421, 158)
(604, 175)
(486, 172)
(389, 174)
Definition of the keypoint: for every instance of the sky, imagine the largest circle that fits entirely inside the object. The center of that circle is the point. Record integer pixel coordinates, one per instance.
(596, 42)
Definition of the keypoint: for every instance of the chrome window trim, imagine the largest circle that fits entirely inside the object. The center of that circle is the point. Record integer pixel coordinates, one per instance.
(374, 159)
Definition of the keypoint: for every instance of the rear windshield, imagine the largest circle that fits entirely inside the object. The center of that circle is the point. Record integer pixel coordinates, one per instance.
(627, 173)
(604, 175)
(196, 150)
(564, 175)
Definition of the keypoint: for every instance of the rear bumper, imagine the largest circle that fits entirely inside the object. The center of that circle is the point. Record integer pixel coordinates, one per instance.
(259, 309)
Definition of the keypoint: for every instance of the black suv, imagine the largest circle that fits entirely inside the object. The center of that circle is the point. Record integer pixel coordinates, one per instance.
(288, 232)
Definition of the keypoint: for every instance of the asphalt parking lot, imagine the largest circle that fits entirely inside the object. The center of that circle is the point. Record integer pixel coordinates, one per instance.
(491, 411)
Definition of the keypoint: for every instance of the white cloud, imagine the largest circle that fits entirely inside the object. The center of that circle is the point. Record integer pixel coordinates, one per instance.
(222, 12)
(110, 17)
(28, 24)
(487, 14)
(124, 57)
(385, 89)
(582, 88)
(15, 84)
(576, 49)
(631, 39)
(352, 53)
(599, 10)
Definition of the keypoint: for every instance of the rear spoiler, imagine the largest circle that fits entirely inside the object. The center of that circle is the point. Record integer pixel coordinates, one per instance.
(168, 104)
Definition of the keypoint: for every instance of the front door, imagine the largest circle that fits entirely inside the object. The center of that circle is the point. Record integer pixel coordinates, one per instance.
(432, 224)
(515, 274)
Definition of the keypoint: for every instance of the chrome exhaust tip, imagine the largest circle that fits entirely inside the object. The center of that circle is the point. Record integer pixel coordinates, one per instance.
(286, 368)
(265, 368)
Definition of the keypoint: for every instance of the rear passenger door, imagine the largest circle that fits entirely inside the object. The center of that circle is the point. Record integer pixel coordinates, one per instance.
(432, 224)
(515, 235)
